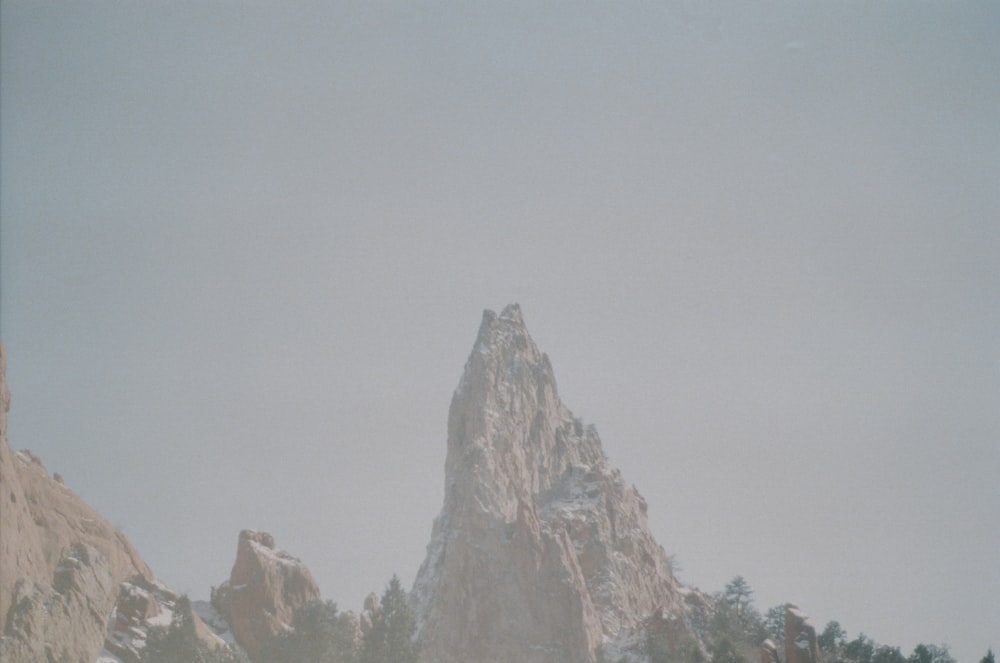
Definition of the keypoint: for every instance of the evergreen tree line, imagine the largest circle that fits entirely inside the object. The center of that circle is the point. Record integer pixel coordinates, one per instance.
(739, 629)
(322, 634)
(319, 634)
(178, 643)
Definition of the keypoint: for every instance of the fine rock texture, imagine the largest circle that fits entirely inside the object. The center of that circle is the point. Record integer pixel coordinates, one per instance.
(60, 562)
(69, 582)
(541, 552)
(800, 637)
(264, 589)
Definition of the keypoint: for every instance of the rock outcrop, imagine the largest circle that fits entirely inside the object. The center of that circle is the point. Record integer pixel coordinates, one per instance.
(769, 652)
(60, 561)
(541, 552)
(143, 604)
(801, 645)
(264, 589)
(70, 583)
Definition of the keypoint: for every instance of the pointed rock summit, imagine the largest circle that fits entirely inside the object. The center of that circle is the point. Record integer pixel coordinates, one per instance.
(541, 552)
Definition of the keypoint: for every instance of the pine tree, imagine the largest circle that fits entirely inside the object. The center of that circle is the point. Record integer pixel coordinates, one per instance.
(860, 650)
(931, 654)
(318, 634)
(832, 638)
(725, 652)
(179, 642)
(738, 594)
(390, 639)
(774, 622)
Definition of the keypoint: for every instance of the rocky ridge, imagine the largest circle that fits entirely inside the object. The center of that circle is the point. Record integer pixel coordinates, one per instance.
(541, 552)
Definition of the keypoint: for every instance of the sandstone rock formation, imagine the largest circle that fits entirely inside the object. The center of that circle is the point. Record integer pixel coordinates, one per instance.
(64, 570)
(264, 589)
(541, 552)
(143, 604)
(769, 652)
(60, 562)
(800, 637)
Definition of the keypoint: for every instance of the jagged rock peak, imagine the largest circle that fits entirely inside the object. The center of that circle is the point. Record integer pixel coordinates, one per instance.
(541, 551)
(495, 329)
(503, 342)
(509, 435)
(249, 537)
(264, 589)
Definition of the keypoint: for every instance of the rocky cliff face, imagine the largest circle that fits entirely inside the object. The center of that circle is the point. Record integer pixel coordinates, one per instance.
(70, 583)
(541, 552)
(264, 589)
(60, 562)
(142, 605)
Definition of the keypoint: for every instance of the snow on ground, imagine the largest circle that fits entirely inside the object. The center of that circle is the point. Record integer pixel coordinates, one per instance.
(163, 619)
(214, 621)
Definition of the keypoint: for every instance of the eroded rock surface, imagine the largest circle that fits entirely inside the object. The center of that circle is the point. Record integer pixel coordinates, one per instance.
(60, 561)
(801, 645)
(70, 583)
(264, 589)
(541, 552)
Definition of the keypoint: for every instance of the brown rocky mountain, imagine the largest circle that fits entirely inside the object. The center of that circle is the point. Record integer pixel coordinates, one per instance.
(70, 584)
(541, 552)
(264, 589)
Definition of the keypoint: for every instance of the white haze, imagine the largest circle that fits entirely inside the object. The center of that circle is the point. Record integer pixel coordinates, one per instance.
(246, 246)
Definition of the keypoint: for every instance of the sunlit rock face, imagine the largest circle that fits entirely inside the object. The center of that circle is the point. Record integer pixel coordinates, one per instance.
(801, 645)
(541, 552)
(264, 589)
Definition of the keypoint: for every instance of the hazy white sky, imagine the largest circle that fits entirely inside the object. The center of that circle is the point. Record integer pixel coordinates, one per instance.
(245, 249)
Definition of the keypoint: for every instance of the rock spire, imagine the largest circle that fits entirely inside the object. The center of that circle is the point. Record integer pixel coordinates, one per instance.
(801, 645)
(264, 589)
(541, 552)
